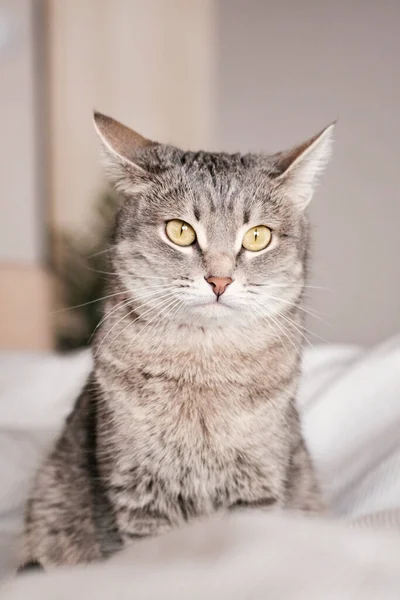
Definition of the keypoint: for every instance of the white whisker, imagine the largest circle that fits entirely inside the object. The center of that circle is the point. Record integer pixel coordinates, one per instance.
(103, 251)
(107, 315)
(164, 305)
(293, 324)
(268, 319)
(102, 272)
(116, 274)
(276, 322)
(146, 294)
(298, 327)
(86, 303)
(294, 284)
(127, 315)
(148, 277)
(153, 286)
(304, 329)
(306, 310)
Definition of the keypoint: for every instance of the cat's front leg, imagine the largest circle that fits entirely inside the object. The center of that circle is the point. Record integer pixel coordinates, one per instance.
(303, 490)
(267, 502)
(140, 510)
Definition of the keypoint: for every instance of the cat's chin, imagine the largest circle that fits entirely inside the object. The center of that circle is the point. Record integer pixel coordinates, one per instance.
(212, 309)
(213, 305)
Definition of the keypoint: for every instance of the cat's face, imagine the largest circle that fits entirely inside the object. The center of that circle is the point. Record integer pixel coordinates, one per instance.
(206, 238)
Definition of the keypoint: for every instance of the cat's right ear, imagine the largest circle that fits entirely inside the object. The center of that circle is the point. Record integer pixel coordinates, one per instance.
(122, 150)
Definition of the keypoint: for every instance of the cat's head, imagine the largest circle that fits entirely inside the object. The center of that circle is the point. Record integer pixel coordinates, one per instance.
(206, 236)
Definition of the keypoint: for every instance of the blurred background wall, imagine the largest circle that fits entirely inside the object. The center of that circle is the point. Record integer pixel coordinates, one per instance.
(220, 74)
(286, 69)
(25, 297)
(147, 62)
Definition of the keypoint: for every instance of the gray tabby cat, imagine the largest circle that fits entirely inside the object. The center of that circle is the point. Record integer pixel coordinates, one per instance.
(190, 407)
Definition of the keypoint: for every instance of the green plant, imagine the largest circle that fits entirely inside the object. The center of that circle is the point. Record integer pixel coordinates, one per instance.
(81, 270)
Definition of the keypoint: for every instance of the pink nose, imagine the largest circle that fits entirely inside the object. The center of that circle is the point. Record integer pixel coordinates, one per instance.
(219, 284)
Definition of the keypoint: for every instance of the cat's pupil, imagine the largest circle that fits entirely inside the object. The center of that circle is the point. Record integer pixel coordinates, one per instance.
(183, 228)
(256, 234)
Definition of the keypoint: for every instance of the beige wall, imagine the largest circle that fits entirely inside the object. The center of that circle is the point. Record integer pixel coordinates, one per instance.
(287, 68)
(20, 226)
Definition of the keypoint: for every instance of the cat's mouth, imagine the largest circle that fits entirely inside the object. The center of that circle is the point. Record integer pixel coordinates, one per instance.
(214, 305)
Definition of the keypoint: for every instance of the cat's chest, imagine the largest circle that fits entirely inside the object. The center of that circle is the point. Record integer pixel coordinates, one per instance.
(187, 466)
(186, 424)
(193, 434)
(195, 416)
(204, 447)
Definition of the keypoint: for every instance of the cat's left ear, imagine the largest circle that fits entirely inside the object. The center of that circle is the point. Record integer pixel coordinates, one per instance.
(123, 152)
(298, 169)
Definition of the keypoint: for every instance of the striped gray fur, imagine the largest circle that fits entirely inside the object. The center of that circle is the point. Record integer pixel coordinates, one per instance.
(190, 407)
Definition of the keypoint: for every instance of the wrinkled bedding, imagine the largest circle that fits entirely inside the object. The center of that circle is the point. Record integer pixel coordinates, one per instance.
(350, 405)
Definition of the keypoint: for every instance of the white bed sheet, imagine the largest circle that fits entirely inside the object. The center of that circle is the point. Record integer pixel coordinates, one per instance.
(349, 401)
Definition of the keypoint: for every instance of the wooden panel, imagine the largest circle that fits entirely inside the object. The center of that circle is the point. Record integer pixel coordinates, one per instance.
(149, 63)
(25, 308)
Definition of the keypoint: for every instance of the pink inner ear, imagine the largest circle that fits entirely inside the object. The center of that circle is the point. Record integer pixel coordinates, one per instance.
(286, 158)
(121, 139)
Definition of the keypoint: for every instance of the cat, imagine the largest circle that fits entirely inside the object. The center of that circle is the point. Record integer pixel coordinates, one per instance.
(190, 407)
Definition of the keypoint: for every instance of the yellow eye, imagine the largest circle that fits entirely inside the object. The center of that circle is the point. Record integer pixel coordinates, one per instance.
(257, 238)
(180, 233)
